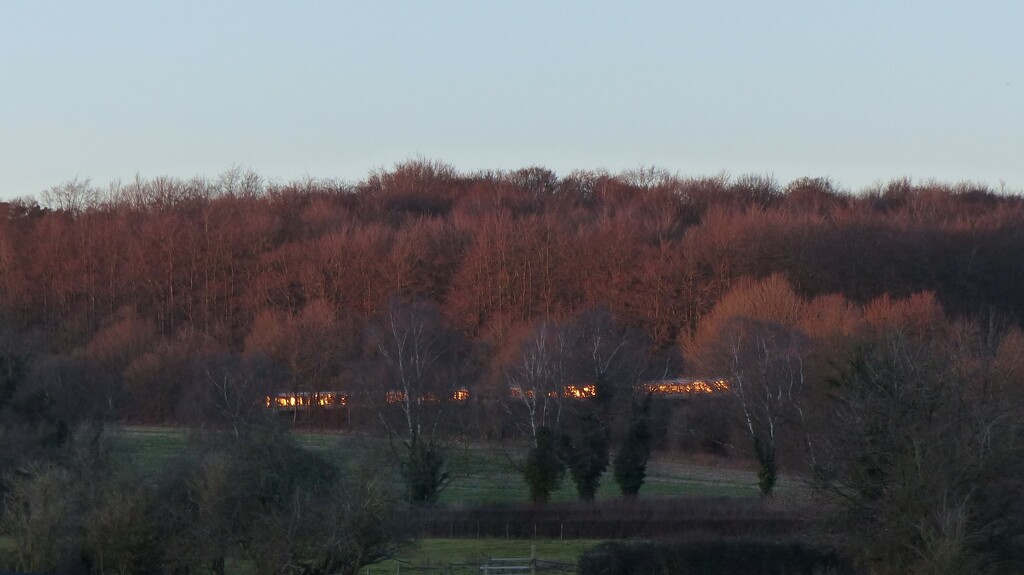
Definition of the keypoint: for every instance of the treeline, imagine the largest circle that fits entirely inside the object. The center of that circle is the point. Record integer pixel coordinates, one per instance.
(496, 251)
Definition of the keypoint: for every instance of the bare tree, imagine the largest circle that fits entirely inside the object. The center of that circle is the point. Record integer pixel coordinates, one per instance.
(537, 379)
(72, 197)
(764, 363)
(426, 365)
(228, 391)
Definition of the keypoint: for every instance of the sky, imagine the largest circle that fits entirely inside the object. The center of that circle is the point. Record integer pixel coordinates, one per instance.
(860, 92)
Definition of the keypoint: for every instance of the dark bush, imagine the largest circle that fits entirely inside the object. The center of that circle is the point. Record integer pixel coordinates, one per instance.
(424, 473)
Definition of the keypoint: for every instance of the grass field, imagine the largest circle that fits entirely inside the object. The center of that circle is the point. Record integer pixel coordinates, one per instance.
(484, 474)
(450, 554)
(480, 473)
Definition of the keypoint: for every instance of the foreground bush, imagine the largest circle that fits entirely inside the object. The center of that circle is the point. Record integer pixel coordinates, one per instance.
(37, 506)
(259, 499)
(922, 457)
(711, 557)
(263, 499)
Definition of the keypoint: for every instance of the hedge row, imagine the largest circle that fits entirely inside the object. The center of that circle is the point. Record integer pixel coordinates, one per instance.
(705, 556)
(613, 519)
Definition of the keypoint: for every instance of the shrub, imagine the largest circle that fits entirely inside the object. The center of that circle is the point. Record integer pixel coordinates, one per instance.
(264, 499)
(121, 533)
(37, 509)
(424, 473)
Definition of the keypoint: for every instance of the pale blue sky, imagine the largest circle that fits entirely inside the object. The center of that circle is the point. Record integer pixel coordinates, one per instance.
(858, 91)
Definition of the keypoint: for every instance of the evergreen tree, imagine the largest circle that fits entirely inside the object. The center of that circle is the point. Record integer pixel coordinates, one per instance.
(631, 462)
(544, 468)
(589, 458)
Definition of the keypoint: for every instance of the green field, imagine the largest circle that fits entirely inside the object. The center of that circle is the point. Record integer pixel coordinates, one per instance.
(484, 474)
(450, 554)
(480, 473)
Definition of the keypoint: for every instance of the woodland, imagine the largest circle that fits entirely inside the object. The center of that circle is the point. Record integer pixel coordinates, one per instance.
(871, 341)
(236, 264)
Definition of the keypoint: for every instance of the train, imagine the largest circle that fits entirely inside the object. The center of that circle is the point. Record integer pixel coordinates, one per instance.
(680, 387)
